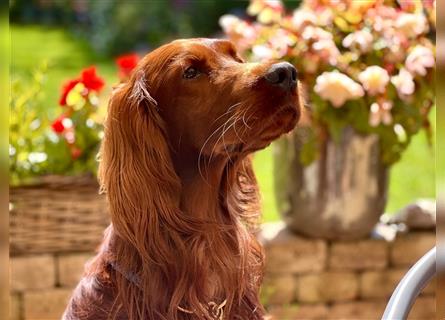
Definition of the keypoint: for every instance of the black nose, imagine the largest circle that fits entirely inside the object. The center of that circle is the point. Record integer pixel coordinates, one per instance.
(282, 74)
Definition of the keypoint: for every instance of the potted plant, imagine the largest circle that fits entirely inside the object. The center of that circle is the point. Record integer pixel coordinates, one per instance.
(54, 195)
(368, 73)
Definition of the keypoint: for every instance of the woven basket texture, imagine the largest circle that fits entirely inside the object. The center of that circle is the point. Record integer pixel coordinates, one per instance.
(57, 214)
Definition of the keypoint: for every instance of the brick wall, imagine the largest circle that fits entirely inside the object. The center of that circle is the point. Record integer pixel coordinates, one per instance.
(319, 279)
(305, 278)
(42, 284)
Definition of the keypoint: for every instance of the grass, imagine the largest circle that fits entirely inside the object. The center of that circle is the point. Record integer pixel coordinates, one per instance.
(411, 178)
(66, 56)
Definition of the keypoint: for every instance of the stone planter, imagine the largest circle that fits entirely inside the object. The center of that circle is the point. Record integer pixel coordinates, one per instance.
(341, 195)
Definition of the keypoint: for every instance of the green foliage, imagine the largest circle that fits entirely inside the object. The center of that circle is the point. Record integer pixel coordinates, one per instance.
(27, 155)
(34, 148)
(65, 53)
(414, 175)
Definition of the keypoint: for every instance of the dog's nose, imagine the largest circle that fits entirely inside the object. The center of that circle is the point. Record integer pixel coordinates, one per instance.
(283, 75)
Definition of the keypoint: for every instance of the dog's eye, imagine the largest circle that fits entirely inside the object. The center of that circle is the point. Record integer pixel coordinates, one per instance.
(190, 72)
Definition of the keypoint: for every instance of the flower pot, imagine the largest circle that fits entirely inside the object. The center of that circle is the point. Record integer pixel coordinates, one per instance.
(339, 195)
(57, 214)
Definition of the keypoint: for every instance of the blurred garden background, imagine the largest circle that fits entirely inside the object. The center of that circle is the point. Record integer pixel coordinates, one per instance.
(368, 148)
(64, 37)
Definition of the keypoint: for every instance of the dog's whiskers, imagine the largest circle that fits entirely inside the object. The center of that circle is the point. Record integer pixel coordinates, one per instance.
(211, 135)
(202, 149)
(225, 129)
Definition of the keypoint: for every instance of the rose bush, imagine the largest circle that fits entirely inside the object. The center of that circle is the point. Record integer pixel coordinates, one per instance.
(365, 64)
(68, 144)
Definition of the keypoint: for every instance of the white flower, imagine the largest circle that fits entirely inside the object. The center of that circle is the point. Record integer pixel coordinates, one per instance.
(316, 33)
(262, 52)
(374, 79)
(302, 17)
(361, 39)
(337, 88)
(229, 22)
(37, 157)
(404, 83)
(419, 59)
(411, 24)
(67, 122)
(380, 113)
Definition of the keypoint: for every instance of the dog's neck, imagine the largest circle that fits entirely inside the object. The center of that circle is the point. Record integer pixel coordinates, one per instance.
(204, 196)
(204, 184)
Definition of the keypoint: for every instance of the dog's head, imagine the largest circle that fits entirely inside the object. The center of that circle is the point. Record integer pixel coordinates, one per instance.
(212, 101)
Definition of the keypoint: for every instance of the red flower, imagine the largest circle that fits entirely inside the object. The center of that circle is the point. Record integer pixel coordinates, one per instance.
(91, 80)
(389, 67)
(126, 64)
(57, 124)
(75, 153)
(66, 88)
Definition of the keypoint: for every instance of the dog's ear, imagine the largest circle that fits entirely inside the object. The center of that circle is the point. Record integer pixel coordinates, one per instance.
(135, 165)
(142, 188)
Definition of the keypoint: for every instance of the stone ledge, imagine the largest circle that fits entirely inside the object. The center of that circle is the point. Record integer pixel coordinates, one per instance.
(278, 290)
(424, 308)
(380, 284)
(410, 247)
(46, 304)
(300, 311)
(15, 307)
(287, 252)
(32, 272)
(70, 268)
(328, 286)
(357, 310)
(359, 255)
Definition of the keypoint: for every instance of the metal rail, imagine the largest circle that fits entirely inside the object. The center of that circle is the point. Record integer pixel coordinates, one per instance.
(410, 287)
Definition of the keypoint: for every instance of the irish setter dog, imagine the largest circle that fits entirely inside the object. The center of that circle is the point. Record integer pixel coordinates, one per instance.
(175, 167)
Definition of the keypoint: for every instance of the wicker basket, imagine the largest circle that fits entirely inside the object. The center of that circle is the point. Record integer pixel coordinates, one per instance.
(58, 214)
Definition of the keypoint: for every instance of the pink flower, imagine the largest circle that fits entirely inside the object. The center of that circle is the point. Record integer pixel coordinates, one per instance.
(374, 79)
(380, 113)
(404, 83)
(419, 59)
(407, 5)
(243, 34)
(281, 41)
(381, 17)
(337, 88)
(327, 50)
(362, 40)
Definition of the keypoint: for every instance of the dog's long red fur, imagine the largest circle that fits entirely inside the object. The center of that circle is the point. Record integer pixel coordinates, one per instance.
(175, 166)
